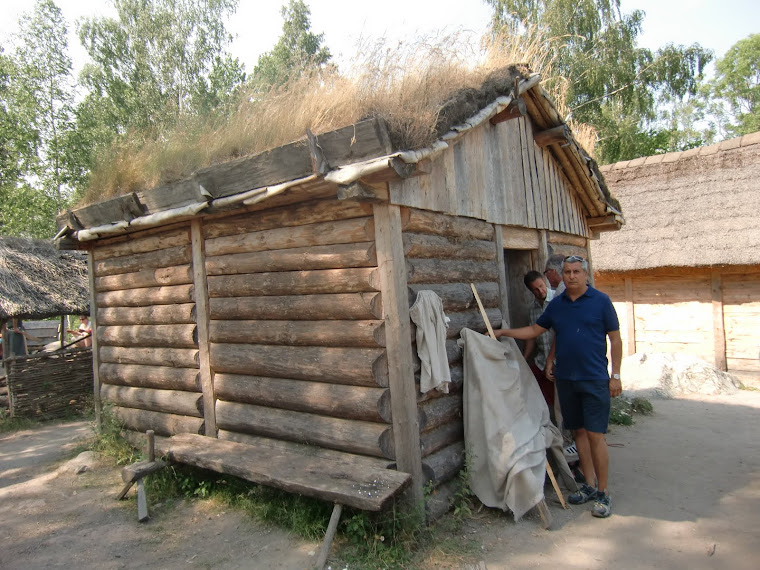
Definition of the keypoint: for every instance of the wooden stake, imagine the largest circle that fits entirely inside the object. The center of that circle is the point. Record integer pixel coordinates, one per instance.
(554, 484)
(483, 312)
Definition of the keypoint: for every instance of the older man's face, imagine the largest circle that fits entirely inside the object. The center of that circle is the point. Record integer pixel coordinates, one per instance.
(574, 276)
(553, 277)
(538, 288)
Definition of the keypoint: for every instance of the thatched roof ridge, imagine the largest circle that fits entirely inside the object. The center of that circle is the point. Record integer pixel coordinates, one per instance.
(38, 281)
(686, 209)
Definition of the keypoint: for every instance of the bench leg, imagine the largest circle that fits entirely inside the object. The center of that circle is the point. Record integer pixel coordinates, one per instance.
(124, 491)
(142, 502)
(329, 536)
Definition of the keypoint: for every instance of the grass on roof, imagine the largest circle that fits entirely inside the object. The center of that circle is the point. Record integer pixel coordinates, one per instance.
(407, 84)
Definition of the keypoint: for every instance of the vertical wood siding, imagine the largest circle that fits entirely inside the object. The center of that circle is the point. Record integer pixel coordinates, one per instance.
(497, 174)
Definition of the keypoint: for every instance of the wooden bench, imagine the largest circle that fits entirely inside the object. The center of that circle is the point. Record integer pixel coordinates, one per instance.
(342, 478)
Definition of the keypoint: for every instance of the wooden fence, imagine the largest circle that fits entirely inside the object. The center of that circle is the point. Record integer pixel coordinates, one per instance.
(50, 385)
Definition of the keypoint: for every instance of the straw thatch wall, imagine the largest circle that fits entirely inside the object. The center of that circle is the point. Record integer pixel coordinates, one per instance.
(684, 272)
(38, 281)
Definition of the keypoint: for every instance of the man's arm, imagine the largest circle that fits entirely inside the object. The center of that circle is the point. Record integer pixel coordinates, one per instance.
(549, 368)
(616, 355)
(530, 346)
(523, 333)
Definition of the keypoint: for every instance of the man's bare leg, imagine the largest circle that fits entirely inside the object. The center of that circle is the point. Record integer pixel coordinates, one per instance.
(585, 455)
(600, 456)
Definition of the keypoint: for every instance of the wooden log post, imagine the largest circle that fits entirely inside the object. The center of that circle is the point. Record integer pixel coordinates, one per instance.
(630, 317)
(392, 273)
(503, 277)
(719, 333)
(95, 343)
(202, 314)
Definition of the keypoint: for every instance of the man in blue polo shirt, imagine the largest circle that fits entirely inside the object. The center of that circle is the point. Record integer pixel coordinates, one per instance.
(582, 319)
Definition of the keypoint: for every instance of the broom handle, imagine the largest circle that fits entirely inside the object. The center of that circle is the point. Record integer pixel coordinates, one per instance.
(482, 311)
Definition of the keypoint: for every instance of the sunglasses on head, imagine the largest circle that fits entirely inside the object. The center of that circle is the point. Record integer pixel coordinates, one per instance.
(574, 259)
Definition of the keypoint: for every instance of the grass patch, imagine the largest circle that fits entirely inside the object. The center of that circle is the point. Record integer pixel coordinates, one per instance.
(9, 424)
(622, 409)
(110, 443)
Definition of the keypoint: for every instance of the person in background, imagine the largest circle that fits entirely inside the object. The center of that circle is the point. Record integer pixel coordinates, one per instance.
(553, 273)
(583, 318)
(17, 338)
(537, 350)
(84, 332)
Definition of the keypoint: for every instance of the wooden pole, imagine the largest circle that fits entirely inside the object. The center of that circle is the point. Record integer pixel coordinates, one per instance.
(332, 527)
(503, 278)
(201, 312)
(483, 312)
(95, 356)
(719, 333)
(630, 317)
(393, 281)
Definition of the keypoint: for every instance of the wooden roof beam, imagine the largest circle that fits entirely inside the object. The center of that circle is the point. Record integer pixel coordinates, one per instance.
(514, 110)
(558, 135)
(361, 192)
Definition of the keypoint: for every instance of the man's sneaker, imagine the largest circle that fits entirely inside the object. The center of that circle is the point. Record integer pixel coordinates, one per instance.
(602, 507)
(584, 494)
(571, 453)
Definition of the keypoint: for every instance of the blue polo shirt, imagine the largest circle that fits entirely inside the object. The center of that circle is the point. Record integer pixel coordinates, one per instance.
(581, 328)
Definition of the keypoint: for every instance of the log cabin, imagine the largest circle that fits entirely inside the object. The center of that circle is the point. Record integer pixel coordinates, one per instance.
(265, 302)
(684, 272)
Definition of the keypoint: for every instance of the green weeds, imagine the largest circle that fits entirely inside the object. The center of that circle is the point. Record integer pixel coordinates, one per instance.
(622, 409)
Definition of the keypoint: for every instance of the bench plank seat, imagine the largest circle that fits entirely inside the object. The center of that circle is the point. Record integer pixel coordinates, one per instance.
(354, 483)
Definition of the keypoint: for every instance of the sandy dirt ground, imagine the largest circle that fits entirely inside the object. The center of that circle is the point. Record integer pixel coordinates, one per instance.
(685, 493)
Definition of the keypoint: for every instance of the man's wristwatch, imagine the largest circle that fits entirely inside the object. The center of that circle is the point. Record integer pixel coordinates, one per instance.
(616, 376)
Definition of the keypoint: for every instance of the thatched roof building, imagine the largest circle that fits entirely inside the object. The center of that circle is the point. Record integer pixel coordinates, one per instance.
(38, 281)
(686, 209)
(685, 268)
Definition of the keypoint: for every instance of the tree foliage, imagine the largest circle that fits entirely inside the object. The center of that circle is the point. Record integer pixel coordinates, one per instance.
(612, 84)
(297, 49)
(39, 169)
(154, 62)
(737, 83)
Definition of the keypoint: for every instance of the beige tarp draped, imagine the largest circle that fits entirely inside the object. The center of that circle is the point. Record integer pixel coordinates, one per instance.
(507, 427)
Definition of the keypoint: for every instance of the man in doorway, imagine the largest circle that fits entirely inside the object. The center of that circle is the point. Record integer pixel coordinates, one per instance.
(583, 318)
(537, 350)
(553, 273)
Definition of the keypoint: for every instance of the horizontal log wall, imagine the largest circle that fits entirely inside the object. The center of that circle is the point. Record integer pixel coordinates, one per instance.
(676, 311)
(499, 174)
(148, 356)
(445, 254)
(52, 385)
(296, 327)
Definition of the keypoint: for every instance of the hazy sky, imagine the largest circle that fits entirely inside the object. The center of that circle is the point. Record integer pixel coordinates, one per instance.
(715, 24)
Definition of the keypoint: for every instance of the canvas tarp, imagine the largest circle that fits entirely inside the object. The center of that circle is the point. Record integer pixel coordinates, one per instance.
(507, 427)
